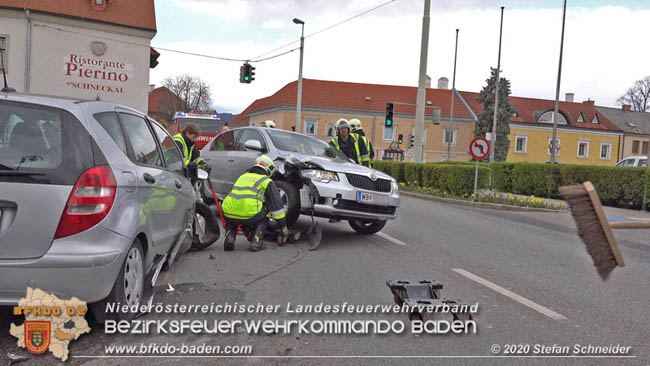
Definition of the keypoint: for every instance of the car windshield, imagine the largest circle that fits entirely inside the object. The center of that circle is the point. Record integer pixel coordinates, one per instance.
(206, 125)
(288, 141)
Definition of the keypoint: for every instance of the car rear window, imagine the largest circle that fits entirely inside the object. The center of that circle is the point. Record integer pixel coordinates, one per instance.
(40, 144)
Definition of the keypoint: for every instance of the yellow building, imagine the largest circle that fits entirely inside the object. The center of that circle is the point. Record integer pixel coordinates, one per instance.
(585, 136)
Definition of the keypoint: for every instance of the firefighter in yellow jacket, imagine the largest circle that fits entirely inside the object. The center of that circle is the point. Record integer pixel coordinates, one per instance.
(253, 198)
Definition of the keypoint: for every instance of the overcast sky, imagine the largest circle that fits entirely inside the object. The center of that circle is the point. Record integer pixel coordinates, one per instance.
(605, 47)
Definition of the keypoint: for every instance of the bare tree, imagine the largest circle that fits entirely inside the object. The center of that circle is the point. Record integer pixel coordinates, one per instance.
(638, 96)
(192, 90)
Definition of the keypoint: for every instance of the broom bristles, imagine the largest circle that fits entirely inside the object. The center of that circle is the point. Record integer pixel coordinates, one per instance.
(590, 229)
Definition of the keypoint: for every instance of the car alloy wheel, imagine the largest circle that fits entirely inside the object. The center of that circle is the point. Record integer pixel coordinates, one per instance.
(133, 277)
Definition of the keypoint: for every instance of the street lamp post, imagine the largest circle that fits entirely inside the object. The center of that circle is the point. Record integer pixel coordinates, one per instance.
(302, 49)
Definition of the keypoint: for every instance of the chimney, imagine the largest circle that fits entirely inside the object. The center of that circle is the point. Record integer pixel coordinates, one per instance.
(589, 102)
(627, 107)
(569, 97)
(427, 81)
(152, 87)
(443, 83)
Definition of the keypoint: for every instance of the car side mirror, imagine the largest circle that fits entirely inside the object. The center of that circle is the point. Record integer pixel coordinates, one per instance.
(253, 145)
(202, 174)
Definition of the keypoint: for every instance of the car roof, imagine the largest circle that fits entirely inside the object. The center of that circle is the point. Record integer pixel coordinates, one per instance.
(59, 102)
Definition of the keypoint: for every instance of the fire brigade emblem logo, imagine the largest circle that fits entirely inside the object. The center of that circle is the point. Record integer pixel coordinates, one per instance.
(98, 48)
(37, 335)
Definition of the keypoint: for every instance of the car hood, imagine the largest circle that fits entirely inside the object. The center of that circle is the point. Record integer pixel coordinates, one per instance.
(336, 166)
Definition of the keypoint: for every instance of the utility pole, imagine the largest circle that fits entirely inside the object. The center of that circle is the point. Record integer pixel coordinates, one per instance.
(493, 143)
(453, 92)
(422, 92)
(557, 91)
(302, 49)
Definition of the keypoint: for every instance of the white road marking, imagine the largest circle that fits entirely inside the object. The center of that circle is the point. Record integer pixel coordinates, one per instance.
(520, 299)
(392, 240)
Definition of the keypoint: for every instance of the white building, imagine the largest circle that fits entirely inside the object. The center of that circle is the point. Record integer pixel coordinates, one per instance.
(80, 48)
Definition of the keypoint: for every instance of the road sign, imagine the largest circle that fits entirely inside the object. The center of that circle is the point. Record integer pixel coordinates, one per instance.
(479, 148)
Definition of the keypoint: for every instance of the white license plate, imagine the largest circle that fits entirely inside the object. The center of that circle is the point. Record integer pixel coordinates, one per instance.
(364, 197)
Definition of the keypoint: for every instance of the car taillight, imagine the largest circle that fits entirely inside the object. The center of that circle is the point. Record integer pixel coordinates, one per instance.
(90, 201)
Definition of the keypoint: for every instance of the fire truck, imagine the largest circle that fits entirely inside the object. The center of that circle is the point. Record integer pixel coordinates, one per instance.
(210, 125)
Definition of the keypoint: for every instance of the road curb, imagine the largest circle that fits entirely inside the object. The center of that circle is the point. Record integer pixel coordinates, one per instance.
(494, 206)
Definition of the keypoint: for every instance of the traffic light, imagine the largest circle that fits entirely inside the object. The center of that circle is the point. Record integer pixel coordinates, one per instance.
(246, 72)
(400, 139)
(411, 141)
(389, 115)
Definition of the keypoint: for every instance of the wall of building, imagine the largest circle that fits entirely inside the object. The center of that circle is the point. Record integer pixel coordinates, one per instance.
(64, 64)
(628, 145)
(537, 146)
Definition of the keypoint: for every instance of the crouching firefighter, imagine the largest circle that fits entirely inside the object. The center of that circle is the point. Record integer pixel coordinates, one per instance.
(253, 197)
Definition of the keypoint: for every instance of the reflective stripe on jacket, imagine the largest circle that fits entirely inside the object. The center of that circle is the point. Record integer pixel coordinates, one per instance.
(247, 197)
(335, 142)
(187, 154)
(366, 142)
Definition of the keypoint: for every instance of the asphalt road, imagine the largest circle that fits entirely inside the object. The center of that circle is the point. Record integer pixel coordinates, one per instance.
(554, 295)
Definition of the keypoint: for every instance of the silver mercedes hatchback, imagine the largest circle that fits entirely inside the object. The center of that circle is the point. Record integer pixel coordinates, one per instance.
(93, 199)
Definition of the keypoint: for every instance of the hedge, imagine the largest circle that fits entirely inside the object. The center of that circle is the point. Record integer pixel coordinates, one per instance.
(617, 187)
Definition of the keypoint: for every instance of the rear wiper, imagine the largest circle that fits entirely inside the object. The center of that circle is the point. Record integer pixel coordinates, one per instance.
(17, 173)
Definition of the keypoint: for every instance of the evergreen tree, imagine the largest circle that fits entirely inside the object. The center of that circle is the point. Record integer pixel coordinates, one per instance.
(505, 111)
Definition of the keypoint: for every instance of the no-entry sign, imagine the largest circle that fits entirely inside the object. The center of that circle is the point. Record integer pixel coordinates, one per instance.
(479, 148)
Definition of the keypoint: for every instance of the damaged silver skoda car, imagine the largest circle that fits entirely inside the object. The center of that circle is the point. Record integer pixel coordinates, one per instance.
(312, 176)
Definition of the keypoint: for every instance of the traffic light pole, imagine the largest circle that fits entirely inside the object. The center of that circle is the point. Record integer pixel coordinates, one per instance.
(422, 92)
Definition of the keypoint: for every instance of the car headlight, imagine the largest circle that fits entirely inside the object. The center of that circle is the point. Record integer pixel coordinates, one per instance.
(395, 186)
(323, 176)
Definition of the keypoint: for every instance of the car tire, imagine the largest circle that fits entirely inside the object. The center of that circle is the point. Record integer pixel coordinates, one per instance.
(209, 224)
(128, 288)
(291, 199)
(367, 227)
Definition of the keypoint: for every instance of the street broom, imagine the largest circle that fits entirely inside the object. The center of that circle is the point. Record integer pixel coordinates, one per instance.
(594, 229)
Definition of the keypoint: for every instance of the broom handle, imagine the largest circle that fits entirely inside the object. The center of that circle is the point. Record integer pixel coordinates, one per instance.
(630, 225)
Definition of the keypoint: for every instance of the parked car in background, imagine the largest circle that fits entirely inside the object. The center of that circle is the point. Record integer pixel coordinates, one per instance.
(634, 161)
(93, 198)
(311, 176)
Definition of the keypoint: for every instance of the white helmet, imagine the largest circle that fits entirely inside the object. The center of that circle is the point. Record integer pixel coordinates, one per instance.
(355, 125)
(342, 123)
(268, 124)
(266, 163)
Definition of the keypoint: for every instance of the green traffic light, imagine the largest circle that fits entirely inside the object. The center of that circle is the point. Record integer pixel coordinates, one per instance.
(246, 78)
(389, 122)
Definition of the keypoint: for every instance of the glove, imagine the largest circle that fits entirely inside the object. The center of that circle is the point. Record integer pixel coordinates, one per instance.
(285, 232)
(205, 166)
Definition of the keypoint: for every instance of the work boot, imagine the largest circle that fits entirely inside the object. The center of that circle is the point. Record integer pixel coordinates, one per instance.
(229, 242)
(257, 243)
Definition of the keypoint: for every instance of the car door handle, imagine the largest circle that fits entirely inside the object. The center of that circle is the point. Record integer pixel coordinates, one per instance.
(178, 184)
(231, 160)
(149, 178)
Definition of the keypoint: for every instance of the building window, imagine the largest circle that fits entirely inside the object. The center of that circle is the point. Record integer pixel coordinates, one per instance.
(557, 145)
(521, 144)
(449, 136)
(330, 130)
(635, 146)
(389, 133)
(605, 150)
(547, 117)
(3, 48)
(644, 148)
(311, 126)
(595, 120)
(583, 149)
(580, 118)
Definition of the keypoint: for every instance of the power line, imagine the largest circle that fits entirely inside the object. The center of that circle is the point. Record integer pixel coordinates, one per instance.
(327, 28)
(256, 59)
